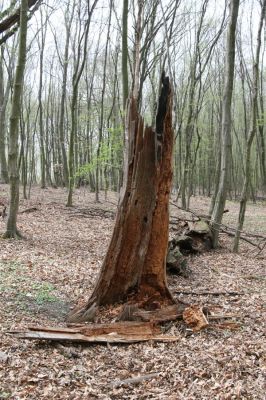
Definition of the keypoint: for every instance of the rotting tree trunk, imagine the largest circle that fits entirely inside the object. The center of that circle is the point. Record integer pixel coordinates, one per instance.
(135, 262)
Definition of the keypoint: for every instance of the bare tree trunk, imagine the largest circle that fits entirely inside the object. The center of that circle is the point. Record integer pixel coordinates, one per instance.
(62, 135)
(11, 229)
(80, 63)
(219, 204)
(3, 101)
(101, 122)
(252, 132)
(125, 53)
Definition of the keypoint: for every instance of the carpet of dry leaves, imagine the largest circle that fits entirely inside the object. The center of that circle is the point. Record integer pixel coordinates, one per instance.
(44, 276)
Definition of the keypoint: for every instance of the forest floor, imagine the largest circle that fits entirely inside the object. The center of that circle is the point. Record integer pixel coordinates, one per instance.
(44, 276)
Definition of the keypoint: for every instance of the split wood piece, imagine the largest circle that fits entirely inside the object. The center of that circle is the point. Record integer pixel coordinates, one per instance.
(169, 313)
(123, 328)
(195, 318)
(211, 293)
(121, 332)
(134, 380)
(77, 337)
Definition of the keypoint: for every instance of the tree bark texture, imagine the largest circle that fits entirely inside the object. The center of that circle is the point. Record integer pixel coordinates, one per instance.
(136, 259)
(218, 209)
(252, 132)
(11, 230)
(3, 103)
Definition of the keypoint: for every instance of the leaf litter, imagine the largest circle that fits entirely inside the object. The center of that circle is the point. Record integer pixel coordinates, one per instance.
(45, 276)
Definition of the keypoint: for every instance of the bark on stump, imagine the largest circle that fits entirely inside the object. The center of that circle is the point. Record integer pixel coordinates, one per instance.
(135, 263)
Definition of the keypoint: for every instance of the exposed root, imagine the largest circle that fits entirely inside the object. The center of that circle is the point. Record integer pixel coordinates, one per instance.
(83, 314)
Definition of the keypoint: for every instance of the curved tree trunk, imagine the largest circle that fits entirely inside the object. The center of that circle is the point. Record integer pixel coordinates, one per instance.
(135, 262)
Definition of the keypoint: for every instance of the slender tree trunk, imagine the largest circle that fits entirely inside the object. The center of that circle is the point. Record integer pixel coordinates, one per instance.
(3, 161)
(219, 204)
(80, 63)
(61, 127)
(41, 130)
(252, 132)
(11, 229)
(125, 53)
(101, 122)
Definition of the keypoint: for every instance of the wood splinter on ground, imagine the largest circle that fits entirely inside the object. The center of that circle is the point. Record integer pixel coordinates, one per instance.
(119, 332)
(135, 325)
(194, 317)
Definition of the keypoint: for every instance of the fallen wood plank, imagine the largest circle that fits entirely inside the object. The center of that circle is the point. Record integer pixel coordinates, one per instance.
(123, 328)
(134, 380)
(77, 337)
(210, 293)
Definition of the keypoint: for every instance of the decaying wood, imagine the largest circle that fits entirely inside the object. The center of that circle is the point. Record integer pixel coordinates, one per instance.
(126, 332)
(77, 337)
(169, 313)
(195, 318)
(123, 328)
(258, 242)
(135, 262)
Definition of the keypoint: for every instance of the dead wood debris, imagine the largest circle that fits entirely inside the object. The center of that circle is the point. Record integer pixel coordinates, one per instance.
(141, 325)
(254, 239)
(195, 318)
(120, 332)
(133, 313)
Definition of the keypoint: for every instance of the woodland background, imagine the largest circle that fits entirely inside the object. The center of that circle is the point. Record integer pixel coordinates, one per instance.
(71, 137)
(185, 38)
